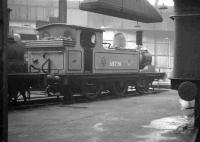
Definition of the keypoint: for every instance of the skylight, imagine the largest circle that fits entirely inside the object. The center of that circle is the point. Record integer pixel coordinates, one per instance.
(160, 2)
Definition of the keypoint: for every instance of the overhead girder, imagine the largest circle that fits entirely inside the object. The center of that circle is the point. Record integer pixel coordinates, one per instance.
(137, 10)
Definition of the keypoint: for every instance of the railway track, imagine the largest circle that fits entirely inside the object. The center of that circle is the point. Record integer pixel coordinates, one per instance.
(77, 98)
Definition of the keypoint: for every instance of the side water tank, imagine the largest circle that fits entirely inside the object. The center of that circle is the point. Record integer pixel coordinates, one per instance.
(145, 58)
(15, 56)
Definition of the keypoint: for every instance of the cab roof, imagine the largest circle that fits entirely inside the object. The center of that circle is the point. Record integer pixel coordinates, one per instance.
(71, 26)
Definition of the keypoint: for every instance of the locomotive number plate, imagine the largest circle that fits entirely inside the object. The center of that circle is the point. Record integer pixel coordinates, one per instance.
(116, 61)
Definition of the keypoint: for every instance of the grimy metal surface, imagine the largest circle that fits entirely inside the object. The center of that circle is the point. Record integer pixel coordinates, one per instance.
(187, 42)
(137, 10)
(3, 78)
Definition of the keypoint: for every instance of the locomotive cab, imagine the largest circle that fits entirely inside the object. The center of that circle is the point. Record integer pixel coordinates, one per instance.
(63, 49)
(57, 51)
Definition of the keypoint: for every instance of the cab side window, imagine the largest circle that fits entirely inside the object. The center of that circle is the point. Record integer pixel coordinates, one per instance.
(88, 39)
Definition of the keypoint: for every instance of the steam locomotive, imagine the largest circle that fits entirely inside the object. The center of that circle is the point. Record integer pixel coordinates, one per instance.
(72, 59)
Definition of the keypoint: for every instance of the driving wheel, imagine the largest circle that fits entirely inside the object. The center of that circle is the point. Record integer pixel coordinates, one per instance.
(91, 90)
(119, 88)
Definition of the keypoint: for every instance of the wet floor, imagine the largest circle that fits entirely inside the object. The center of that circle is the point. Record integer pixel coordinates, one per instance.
(147, 118)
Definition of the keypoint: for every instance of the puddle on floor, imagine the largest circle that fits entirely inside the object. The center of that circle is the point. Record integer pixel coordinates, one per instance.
(161, 127)
(99, 127)
(168, 123)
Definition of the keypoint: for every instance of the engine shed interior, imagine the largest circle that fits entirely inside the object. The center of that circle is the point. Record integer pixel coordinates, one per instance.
(137, 60)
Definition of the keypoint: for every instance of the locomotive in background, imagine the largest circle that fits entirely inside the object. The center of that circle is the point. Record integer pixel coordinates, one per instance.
(19, 80)
(72, 59)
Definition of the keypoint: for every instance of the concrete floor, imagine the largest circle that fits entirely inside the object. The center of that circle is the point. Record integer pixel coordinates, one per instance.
(130, 119)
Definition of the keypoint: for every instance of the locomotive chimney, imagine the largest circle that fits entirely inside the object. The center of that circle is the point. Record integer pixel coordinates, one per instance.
(139, 35)
(62, 11)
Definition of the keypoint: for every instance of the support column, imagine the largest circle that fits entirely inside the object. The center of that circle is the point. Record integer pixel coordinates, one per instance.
(187, 51)
(3, 72)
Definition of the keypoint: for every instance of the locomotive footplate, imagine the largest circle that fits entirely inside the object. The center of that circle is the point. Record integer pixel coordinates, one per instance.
(156, 75)
(91, 85)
